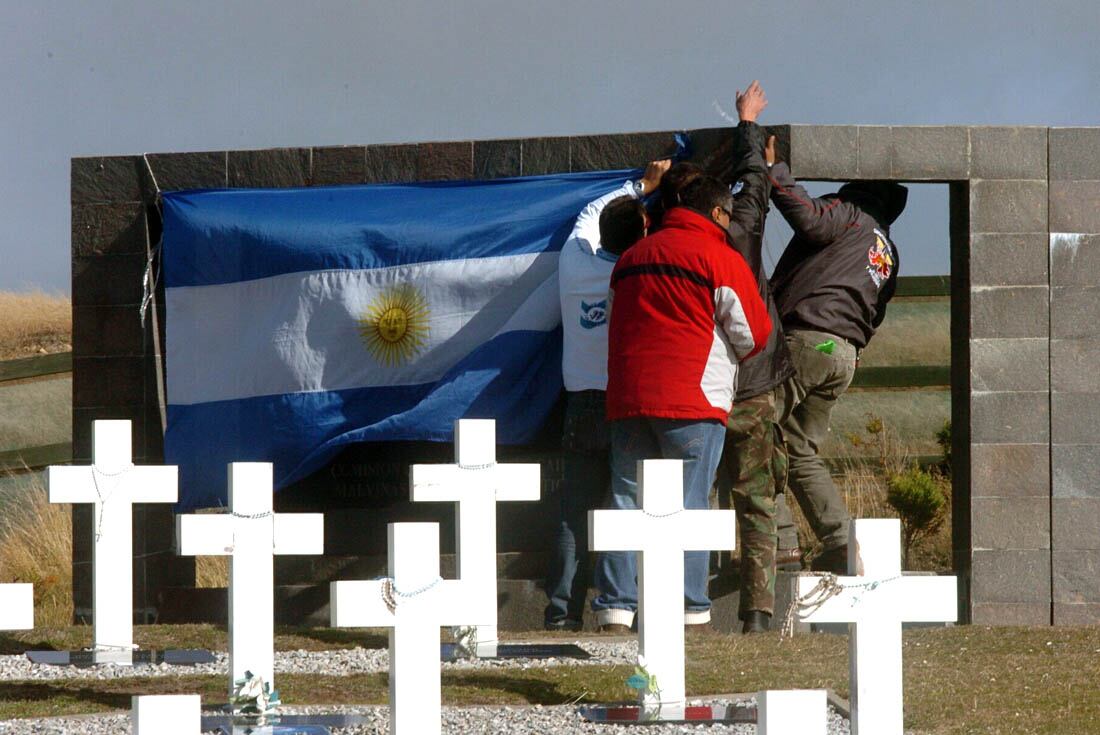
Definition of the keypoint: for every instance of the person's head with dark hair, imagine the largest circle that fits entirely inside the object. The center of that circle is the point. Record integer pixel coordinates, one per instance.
(883, 200)
(675, 179)
(710, 197)
(623, 222)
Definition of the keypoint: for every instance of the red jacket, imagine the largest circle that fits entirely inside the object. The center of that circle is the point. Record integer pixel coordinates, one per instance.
(685, 311)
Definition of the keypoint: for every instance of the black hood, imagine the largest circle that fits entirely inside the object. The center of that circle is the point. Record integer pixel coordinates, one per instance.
(883, 200)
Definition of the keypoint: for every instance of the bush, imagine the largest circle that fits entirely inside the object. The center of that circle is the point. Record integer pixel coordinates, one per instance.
(916, 496)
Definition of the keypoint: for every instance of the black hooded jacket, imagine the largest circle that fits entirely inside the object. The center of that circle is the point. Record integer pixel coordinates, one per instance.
(841, 267)
(770, 367)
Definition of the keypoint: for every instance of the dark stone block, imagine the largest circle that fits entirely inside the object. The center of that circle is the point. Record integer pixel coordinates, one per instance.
(1076, 576)
(101, 229)
(1076, 524)
(930, 153)
(1074, 154)
(1008, 153)
(545, 156)
(1011, 613)
(390, 164)
(875, 152)
(107, 331)
(1075, 312)
(271, 168)
(339, 165)
(1010, 523)
(108, 280)
(179, 171)
(1011, 576)
(1008, 206)
(107, 180)
(445, 161)
(1074, 417)
(1085, 613)
(494, 159)
(1010, 418)
(1072, 365)
(108, 382)
(1009, 364)
(1010, 470)
(823, 151)
(1075, 469)
(1073, 206)
(1008, 260)
(1015, 311)
(612, 152)
(1074, 259)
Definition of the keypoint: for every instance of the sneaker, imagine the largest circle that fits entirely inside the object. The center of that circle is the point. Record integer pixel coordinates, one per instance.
(833, 560)
(571, 625)
(756, 621)
(615, 629)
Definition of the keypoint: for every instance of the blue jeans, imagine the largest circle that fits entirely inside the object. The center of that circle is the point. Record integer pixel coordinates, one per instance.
(585, 483)
(699, 445)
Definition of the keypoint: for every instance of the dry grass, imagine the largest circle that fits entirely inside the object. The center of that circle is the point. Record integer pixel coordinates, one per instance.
(34, 323)
(863, 485)
(212, 571)
(36, 546)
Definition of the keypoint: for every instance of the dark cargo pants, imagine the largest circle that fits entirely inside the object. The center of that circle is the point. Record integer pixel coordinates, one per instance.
(803, 404)
(753, 469)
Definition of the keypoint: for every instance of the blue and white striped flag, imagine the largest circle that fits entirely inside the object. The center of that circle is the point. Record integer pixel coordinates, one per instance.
(303, 320)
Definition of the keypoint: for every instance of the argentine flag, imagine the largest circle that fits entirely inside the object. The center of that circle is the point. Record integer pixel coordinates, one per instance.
(302, 320)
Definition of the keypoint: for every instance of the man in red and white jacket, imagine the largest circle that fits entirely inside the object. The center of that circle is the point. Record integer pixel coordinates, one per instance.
(685, 311)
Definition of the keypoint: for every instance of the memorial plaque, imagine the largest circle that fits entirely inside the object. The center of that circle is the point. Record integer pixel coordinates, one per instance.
(454, 652)
(318, 724)
(137, 657)
(623, 714)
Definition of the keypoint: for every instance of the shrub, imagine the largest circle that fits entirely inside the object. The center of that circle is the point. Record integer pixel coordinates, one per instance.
(916, 496)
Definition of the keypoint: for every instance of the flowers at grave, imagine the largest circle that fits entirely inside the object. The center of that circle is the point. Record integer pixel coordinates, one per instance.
(643, 682)
(253, 696)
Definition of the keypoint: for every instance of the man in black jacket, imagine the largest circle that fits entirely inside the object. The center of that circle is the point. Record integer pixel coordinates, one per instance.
(753, 457)
(831, 287)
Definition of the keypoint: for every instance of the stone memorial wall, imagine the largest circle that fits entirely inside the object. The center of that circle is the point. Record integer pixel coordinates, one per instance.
(1025, 229)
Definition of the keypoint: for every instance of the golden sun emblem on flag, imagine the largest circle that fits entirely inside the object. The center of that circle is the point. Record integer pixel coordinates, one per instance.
(395, 327)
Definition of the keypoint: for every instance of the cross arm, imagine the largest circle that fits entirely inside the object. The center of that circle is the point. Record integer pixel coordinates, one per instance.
(16, 606)
(299, 533)
(518, 481)
(911, 599)
(617, 530)
(146, 484)
(707, 530)
(205, 535)
(358, 604)
(70, 485)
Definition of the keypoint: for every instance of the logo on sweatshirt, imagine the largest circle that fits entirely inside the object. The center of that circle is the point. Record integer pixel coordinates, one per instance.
(880, 260)
(593, 315)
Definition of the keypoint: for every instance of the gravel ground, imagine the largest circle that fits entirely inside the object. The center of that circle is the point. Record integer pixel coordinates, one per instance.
(456, 720)
(353, 660)
(561, 720)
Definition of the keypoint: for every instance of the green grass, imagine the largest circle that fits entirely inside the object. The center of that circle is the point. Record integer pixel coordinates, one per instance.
(957, 680)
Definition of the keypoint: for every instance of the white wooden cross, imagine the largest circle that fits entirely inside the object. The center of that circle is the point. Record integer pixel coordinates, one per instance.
(251, 534)
(414, 603)
(16, 606)
(792, 712)
(166, 714)
(875, 605)
(112, 484)
(475, 482)
(661, 532)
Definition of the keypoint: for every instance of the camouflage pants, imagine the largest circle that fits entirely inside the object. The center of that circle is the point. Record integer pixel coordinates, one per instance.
(753, 469)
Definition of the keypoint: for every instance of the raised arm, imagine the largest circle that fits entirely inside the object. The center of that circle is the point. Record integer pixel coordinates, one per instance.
(749, 168)
(587, 227)
(817, 221)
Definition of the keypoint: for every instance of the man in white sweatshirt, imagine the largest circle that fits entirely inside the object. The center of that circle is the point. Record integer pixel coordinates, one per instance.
(604, 229)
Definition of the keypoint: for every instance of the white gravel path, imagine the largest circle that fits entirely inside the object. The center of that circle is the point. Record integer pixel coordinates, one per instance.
(346, 661)
(561, 720)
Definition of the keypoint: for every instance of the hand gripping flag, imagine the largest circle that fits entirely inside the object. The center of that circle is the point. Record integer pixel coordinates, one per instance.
(302, 320)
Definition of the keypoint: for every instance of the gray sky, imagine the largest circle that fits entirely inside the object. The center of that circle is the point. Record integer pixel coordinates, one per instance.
(98, 78)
